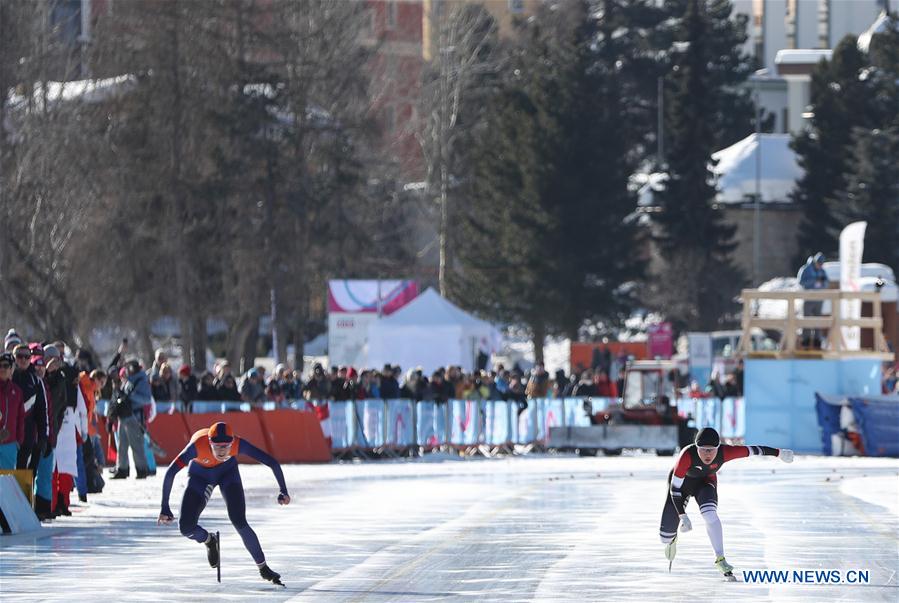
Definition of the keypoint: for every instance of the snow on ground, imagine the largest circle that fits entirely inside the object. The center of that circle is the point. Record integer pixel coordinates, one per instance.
(533, 528)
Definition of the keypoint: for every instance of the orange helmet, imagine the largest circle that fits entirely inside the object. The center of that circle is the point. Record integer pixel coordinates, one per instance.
(220, 433)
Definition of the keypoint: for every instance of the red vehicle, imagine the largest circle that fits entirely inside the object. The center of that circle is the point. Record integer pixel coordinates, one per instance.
(648, 400)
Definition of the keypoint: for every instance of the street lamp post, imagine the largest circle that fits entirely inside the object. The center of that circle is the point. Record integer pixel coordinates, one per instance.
(757, 217)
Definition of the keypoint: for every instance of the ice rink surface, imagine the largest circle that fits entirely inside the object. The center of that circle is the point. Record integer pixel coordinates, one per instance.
(533, 528)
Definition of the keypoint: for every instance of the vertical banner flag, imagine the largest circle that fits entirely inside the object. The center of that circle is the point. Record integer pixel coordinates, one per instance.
(852, 246)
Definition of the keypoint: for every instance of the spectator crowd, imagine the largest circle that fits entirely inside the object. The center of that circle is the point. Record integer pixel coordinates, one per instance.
(52, 422)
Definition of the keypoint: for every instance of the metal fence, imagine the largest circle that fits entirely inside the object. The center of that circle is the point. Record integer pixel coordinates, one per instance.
(378, 426)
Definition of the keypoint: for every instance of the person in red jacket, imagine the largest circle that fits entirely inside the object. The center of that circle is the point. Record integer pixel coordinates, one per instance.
(12, 414)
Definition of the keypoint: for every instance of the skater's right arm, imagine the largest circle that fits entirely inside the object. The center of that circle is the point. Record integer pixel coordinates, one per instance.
(677, 481)
(177, 465)
(264, 458)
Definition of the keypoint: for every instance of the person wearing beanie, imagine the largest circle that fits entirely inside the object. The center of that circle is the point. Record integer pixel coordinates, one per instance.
(188, 387)
(11, 340)
(695, 475)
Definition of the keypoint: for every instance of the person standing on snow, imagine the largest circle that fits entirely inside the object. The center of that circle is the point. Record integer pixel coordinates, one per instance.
(694, 475)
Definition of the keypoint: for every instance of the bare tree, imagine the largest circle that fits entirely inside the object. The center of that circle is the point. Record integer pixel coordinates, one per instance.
(465, 40)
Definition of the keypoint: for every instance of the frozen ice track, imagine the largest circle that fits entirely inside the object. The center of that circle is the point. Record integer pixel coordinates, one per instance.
(522, 529)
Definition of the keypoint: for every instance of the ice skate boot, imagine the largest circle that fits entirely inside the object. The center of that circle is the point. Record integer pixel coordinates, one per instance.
(266, 572)
(212, 550)
(725, 568)
(670, 552)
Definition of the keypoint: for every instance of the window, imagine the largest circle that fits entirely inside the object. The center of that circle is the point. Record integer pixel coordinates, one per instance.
(391, 14)
(65, 16)
(516, 7)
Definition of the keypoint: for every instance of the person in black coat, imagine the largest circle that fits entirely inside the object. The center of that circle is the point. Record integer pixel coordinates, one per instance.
(207, 391)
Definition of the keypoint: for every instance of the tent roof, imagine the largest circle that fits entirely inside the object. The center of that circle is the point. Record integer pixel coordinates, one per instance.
(736, 169)
(430, 309)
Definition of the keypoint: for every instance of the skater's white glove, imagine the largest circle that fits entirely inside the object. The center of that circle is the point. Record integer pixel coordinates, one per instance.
(685, 525)
(164, 519)
(786, 455)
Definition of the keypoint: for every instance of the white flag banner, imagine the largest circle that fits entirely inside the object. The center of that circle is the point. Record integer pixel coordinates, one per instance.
(852, 246)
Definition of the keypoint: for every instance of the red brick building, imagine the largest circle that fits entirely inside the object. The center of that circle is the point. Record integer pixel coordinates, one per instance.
(395, 31)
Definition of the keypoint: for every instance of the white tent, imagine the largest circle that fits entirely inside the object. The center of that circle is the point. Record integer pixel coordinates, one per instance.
(429, 332)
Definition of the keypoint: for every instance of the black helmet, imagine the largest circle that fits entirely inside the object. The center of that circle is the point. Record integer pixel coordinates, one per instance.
(707, 437)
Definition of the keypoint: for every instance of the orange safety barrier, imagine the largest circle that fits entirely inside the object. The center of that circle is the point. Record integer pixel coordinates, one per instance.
(295, 436)
(245, 424)
(171, 433)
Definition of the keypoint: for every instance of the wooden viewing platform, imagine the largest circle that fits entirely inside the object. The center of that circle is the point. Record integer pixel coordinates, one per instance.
(830, 326)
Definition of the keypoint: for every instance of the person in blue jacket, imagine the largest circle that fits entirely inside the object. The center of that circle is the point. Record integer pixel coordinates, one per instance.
(212, 456)
(812, 276)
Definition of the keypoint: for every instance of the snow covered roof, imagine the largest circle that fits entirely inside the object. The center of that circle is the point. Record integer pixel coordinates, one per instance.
(89, 91)
(735, 172)
(736, 169)
(801, 56)
(880, 25)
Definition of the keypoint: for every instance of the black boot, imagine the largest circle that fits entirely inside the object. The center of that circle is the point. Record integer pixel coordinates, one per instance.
(42, 508)
(141, 475)
(61, 507)
(212, 550)
(266, 572)
(82, 498)
(119, 475)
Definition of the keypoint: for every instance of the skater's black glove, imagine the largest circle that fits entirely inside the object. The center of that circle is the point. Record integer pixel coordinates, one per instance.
(283, 499)
(165, 517)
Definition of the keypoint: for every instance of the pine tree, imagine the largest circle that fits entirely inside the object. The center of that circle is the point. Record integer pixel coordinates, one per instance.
(688, 219)
(730, 104)
(872, 194)
(841, 101)
(694, 240)
(872, 191)
(549, 242)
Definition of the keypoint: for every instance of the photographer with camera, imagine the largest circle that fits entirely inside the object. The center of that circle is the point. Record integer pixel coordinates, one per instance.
(128, 410)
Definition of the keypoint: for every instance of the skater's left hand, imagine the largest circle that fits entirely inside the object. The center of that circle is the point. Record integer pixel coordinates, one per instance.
(786, 455)
(283, 499)
(164, 519)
